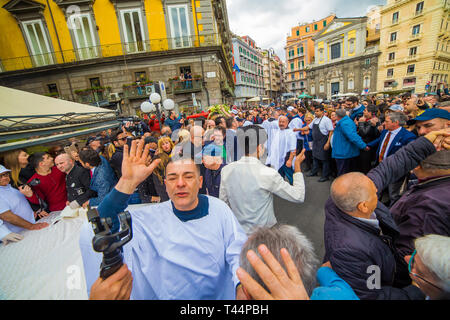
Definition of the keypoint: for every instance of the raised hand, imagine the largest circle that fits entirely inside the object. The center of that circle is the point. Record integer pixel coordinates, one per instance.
(282, 285)
(136, 166)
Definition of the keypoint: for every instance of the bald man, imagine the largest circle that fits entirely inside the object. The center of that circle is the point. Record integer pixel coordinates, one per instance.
(283, 149)
(360, 232)
(78, 181)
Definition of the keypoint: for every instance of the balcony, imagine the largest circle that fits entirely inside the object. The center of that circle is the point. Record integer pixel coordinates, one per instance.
(186, 86)
(98, 96)
(390, 63)
(415, 37)
(392, 43)
(134, 91)
(418, 13)
(108, 50)
(411, 58)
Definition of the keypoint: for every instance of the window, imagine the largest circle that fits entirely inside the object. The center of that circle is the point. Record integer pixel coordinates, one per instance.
(133, 30)
(390, 72)
(367, 62)
(351, 46)
(366, 82)
(292, 66)
(140, 76)
(298, 32)
(315, 27)
(412, 51)
(393, 37)
(391, 56)
(298, 51)
(38, 43)
(313, 89)
(321, 87)
(292, 76)
(307, 29)
(419, 8)
(52, 88)
(95, 82)
(351, 84)
(293, 85)
(84, 35)
(179, 26)
(395, 17)
(335, 50)
(416, 29)
(411, 68)
(325, 23)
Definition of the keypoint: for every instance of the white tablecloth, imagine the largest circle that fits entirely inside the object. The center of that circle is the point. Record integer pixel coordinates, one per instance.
(46, 264)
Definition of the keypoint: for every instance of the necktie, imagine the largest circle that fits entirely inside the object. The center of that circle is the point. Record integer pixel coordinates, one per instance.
(385, 144)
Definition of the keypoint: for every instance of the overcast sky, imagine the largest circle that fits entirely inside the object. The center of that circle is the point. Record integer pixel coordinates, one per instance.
(269, 21)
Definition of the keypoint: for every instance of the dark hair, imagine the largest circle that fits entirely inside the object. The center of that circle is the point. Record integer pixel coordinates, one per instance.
(114, 136)
(218, 120)
(244, 135)
(221, 129)
(37, 158)
(353, 99)
(90, 156)
(173, 160)
(229, 122)
(372, 109)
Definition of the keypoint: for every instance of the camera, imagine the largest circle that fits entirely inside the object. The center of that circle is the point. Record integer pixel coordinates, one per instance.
(33, 182)
(110, 244)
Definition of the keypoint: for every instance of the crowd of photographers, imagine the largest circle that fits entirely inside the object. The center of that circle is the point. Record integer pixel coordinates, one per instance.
(389, 203)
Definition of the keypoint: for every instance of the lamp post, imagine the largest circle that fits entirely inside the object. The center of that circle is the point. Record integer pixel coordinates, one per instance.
(271, 52)
(154, 105)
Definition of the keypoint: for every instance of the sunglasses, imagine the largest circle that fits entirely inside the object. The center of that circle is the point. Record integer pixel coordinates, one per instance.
(411, 266)
(5, 174)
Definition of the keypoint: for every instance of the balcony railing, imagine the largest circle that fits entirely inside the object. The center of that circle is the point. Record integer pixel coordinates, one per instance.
(415, 36)
(187, 86)
(138, 91)
(109, 50)
(94, 96)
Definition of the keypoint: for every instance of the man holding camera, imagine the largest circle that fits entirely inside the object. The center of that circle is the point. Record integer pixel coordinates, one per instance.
(15, 211)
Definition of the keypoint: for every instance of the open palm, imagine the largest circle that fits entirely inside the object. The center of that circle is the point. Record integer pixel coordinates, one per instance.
(137, 164)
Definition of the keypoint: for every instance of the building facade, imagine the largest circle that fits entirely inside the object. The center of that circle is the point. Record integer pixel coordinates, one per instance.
(414, 42)
(273, 75)
(300, 53)
(248, 69)
(343, 61)
(112, 52)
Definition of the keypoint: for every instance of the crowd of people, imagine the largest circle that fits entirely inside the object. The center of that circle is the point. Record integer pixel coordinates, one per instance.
(211, 231)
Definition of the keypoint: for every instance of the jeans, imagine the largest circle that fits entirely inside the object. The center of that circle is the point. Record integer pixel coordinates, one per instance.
(325, 167)
(287, 172)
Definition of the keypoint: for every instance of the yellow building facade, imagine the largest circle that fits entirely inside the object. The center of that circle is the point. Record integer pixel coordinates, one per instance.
(414, 42)
(108, 43)
(300, 52)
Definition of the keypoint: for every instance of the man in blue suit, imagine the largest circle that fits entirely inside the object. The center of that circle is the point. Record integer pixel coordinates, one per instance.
(392, 138)
(357, 109)
(103, 178)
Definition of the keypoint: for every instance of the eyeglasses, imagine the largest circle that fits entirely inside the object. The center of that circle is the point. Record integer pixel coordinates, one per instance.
(5, 174)
(411, 266)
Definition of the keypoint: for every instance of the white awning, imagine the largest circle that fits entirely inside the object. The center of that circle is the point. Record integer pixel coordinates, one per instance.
(25, 115)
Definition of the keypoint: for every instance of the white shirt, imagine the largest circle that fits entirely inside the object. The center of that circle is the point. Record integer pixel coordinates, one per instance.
(373, 221)
(393, 134)
(4, 231)
(296, 123)
(248, 186)
(247, 123)
(175, 260)
(282, 142)
(12, 200)
(325, 126)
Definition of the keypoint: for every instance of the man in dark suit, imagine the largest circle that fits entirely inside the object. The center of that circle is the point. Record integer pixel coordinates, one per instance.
(392, 138)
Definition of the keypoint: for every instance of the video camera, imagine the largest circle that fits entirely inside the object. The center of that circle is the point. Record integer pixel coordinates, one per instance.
(110, 244)
(33, 183)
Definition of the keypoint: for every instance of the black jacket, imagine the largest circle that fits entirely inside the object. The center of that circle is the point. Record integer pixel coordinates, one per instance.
(77, 183)
(116, 161)
(368, 132)
(354, 247)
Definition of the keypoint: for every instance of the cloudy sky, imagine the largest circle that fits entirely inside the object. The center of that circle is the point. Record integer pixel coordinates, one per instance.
(269, 21)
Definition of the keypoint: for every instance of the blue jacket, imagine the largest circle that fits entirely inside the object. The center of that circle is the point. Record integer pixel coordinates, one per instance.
(332, 287)
(359, 252)
(346, 141)
(173, 124)
(103, 180)
(357, 112)
(401, 139)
